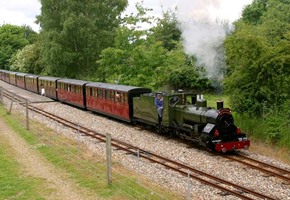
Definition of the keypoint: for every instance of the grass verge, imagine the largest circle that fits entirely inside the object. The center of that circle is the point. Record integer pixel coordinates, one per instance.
(13, 183)
(83, 167)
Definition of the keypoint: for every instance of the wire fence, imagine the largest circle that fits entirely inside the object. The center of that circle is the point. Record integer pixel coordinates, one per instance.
(104, 168)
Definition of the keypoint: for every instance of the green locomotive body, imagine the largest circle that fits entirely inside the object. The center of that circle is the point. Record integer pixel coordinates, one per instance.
(188, 117)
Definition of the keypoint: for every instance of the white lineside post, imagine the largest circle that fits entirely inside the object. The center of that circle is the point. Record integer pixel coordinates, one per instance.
(27, 114)
(109, 158)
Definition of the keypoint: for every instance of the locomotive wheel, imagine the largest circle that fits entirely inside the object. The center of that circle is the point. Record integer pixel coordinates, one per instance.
(173, 133)
(210, 146)
(204, 140)
(159, 129)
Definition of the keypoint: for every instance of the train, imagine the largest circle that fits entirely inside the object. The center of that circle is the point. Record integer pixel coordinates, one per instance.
(185, 115)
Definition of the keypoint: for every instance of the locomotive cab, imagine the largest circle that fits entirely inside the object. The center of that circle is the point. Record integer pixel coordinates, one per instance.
(145, 110)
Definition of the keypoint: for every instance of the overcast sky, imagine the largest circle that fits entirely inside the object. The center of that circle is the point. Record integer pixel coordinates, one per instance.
(20, 12)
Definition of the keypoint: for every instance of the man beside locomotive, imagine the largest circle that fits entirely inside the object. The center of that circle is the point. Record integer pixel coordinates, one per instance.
(159, 104)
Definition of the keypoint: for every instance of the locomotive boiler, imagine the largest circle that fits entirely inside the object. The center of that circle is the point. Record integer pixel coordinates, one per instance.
(187, 116)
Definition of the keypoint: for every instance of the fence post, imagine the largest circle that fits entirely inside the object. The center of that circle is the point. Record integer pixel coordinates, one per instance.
(56, 127)
(138, 155)
(188, 185)
(27, 114)
(109, 158)
(12, 100)
(1, 95)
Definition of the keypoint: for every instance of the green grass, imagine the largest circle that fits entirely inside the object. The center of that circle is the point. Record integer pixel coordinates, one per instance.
(89, 172)
(13, 183)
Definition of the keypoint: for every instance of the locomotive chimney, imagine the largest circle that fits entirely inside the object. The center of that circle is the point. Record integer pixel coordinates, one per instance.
(193, 100)
(200, 101)
(219, 104)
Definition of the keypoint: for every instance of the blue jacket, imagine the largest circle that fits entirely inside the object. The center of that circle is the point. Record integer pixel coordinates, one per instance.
(158, 103)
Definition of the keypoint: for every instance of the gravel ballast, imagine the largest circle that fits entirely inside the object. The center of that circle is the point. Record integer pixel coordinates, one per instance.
(171, 148)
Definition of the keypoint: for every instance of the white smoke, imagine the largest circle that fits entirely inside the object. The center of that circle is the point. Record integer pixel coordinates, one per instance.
(204, 25)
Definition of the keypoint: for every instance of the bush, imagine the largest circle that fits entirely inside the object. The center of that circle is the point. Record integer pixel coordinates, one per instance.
(273, 127)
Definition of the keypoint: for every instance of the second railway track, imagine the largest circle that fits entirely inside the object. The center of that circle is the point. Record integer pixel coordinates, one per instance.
(269, 169)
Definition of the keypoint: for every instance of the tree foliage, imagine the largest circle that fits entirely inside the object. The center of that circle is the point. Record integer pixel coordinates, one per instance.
(74, 32)
(254, 12)
(27, 60)
(13, 38)
(167, 30)
(151, 57)
(258, 58)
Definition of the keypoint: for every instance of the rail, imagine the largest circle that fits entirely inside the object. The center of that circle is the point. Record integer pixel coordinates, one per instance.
(183, 169)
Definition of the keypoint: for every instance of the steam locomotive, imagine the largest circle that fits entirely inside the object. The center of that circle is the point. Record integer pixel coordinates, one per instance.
(185, 114)
(192, 120)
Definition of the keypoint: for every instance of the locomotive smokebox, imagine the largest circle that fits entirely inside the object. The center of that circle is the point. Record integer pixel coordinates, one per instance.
(219, 104)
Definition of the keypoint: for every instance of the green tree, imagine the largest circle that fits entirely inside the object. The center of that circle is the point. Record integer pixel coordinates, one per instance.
(74, 32)
(27, 60)
(254, 12)
(152, 58)
(13, 38)
(167, 30)
(119, 63)
(258, 60)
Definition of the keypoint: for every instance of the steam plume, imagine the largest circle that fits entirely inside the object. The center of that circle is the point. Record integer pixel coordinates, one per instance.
(204, 25)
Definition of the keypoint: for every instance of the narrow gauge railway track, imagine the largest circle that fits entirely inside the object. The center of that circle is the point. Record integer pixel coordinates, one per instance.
(228, 187)
(261, 166)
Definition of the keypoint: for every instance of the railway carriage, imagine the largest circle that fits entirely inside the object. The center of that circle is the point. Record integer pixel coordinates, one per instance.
(12, 78)
(72, 92)
(20, 80)
(31, 83)
(5, 76)
(49, 84)
(8, 77)
(1, 74)
(113, 100)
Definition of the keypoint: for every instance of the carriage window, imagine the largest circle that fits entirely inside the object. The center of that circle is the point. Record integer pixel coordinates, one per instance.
(100, 93)
(107, 93)
(95, 92)
(118, 96)
(122, 99)
(91, 92)
(113, 95)
(125, 97)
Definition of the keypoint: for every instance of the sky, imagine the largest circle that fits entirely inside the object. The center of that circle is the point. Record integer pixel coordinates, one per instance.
(20, 12)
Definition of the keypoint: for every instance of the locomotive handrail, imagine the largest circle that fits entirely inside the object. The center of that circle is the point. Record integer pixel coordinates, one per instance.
(174, 104)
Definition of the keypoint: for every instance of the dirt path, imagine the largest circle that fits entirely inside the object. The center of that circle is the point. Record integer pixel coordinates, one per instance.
(35, 165)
